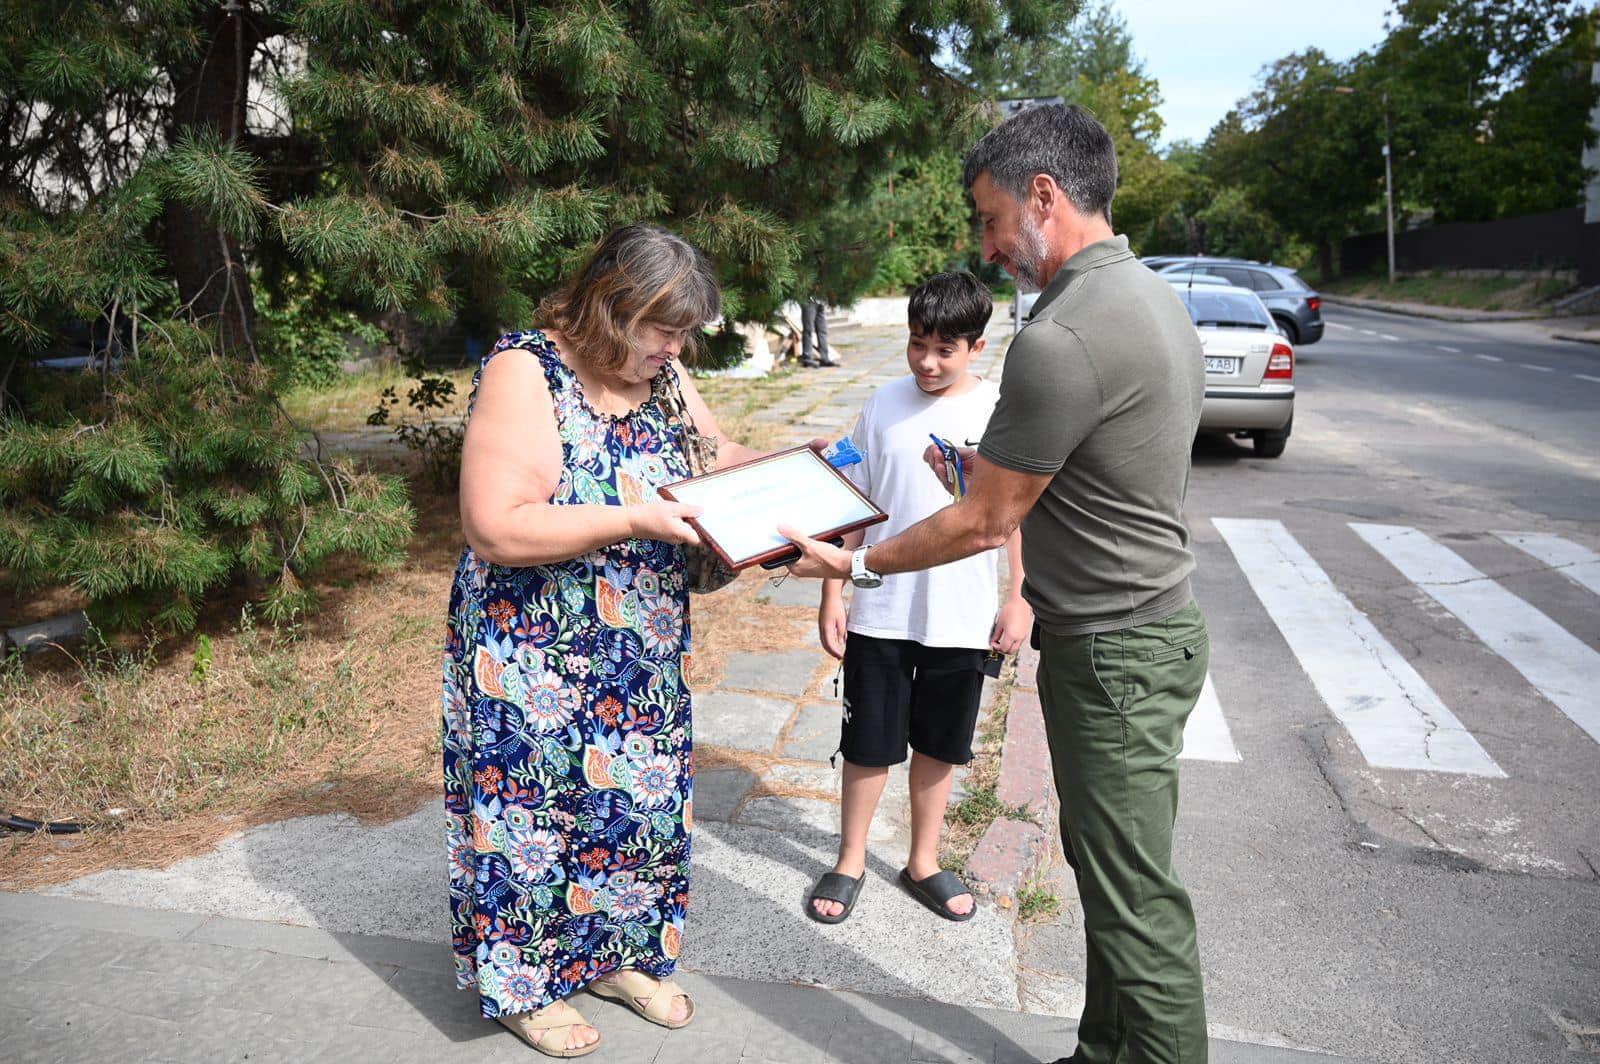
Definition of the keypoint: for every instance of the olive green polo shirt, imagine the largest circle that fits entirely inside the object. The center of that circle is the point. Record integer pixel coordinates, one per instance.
(1101, 390)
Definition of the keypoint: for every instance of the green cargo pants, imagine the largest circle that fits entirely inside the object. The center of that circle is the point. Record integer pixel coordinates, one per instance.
(1114, 708)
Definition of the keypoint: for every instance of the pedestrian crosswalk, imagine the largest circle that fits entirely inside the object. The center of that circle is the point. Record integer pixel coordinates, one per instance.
(1391, 713)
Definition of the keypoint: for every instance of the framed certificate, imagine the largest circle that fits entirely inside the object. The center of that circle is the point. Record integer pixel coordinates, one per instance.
(742, 506)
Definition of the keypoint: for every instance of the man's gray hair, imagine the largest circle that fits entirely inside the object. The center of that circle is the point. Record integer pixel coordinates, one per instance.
(1065, 142)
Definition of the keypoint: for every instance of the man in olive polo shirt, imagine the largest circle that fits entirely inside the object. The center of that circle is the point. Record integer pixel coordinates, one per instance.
(1088, 450)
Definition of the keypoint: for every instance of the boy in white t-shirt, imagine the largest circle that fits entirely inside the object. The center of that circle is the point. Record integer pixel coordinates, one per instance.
(914, 647)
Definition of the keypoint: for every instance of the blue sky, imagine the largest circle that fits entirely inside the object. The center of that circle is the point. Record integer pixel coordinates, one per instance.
(1206, 53)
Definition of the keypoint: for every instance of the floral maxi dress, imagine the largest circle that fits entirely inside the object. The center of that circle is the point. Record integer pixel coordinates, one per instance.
(567, 758)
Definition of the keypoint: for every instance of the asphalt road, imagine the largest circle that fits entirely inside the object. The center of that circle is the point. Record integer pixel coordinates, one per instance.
(1396, 855)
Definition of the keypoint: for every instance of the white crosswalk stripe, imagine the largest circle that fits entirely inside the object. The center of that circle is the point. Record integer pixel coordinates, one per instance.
(1394, 717)
(1206, 736)
(1559, 665)
(1573, 560)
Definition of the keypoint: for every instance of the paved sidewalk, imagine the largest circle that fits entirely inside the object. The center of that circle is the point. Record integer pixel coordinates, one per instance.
(1578, 328)
(86, 981)
(1432, 310)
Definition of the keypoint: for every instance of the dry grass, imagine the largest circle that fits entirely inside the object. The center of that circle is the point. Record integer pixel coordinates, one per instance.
(1455, 289)
(340, 714)
(343, 407)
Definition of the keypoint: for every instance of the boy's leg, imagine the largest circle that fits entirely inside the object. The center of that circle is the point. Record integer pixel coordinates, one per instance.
(872, 736)
(945, 696)
(858, 800)
(1114, 707)
(930, 796)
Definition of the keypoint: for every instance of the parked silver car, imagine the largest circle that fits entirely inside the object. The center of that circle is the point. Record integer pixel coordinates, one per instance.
(1249, 366)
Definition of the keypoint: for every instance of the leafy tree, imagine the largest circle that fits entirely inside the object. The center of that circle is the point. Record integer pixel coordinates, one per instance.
(162, 160)
(1090, 61)
(1301, 152)
(925, 210)
(1489, 103)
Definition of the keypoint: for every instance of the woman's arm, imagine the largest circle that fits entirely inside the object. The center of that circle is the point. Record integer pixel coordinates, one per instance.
(510, 465)
(728, 452)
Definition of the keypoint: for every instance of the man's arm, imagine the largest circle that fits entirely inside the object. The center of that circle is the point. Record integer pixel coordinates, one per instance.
(983, 519)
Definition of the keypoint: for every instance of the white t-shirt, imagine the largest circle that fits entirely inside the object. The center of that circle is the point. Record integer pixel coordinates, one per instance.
(951, 605)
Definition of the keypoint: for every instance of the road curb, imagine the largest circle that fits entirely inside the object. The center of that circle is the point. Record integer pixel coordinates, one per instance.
(1011, 851)
(1433, 313)
(1578, 338)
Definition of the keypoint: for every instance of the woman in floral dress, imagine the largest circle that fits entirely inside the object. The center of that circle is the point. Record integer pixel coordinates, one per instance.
(566, 713)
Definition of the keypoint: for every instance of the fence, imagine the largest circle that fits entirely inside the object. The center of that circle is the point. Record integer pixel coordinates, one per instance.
(1549, 240)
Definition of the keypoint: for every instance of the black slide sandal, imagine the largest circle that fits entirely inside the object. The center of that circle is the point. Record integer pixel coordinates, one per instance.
(835, 886)
(937, 890)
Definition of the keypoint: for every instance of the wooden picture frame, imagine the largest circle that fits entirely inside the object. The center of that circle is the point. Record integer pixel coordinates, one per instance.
(742, 505)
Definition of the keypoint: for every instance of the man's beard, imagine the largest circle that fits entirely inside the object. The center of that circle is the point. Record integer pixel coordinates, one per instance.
(1027, 262)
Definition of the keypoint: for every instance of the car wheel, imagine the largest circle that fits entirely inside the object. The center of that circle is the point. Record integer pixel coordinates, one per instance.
(1270, 446)
(1291, 332)
(1270, 443)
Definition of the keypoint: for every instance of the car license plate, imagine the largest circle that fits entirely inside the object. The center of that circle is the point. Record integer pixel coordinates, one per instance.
(1226, 367)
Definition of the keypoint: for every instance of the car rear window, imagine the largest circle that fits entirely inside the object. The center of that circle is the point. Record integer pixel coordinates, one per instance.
(1209, 308)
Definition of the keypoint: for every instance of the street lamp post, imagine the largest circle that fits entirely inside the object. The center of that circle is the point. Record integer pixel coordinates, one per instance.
(1388, 186)
(1388, 174)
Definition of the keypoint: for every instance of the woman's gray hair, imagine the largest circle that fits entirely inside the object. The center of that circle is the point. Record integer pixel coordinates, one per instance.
(1065, 142)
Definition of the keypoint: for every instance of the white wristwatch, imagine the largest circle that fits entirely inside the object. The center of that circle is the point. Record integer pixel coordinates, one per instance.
(860, 575)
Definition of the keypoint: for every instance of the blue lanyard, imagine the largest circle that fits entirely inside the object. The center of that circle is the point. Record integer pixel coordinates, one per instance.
(954, 478)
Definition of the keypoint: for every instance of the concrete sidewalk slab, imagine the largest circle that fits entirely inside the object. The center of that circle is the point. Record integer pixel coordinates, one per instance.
(746, 919)
(88, 981)
(740, 720)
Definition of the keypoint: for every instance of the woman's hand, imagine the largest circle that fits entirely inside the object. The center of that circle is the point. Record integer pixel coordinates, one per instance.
(1012, 625)
(664, 521)
(831, 624)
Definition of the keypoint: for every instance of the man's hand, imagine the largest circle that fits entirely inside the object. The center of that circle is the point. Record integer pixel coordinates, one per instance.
(934, 457)
(1012, 625)
(818, 560)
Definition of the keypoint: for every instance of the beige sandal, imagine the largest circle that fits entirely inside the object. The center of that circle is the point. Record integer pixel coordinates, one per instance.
(559, 1018)
(630, 986)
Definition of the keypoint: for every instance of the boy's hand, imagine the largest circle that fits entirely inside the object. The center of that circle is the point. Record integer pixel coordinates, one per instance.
(831, 625)
(1012, 625)
(934, 457)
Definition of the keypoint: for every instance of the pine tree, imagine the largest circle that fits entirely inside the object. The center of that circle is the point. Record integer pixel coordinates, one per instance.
(162, 161)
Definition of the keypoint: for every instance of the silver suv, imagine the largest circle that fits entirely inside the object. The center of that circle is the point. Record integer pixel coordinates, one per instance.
(1293, 304)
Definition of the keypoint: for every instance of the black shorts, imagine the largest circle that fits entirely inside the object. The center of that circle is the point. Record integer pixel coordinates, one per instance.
(898, 691)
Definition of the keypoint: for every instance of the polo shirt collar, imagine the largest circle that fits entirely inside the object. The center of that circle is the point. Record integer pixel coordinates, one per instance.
(1088, 257)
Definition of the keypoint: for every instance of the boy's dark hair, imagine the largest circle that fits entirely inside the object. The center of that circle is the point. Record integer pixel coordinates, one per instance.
(954, 304)
(1066, 142)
